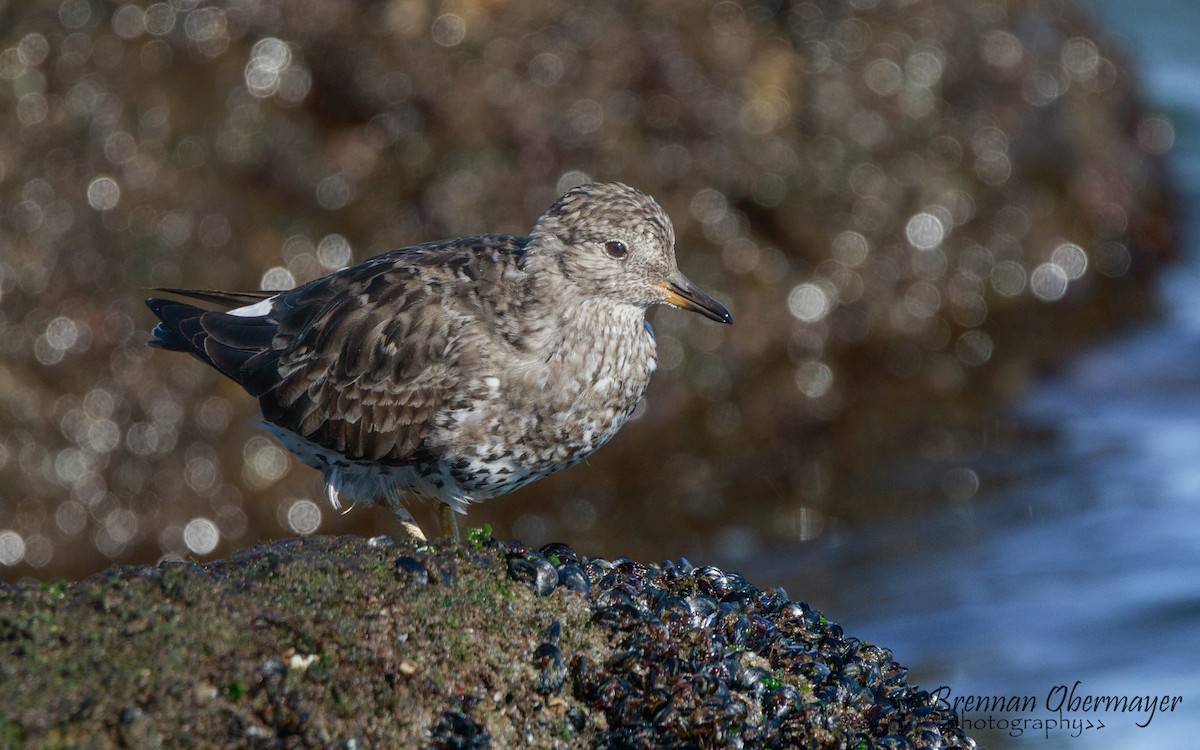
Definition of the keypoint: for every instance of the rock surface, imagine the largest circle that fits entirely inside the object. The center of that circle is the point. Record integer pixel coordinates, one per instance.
(343, 642)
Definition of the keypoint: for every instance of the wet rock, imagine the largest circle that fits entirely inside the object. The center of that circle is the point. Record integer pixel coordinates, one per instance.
(412, 570)
(704, 656)
(553, 634)
(307, 642)
(136, 732)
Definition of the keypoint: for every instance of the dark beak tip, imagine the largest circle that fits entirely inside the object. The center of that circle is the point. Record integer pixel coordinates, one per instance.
(714, 311)
(691, 297)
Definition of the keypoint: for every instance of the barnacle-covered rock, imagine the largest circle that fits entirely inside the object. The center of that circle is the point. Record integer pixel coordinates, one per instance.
(333, 642)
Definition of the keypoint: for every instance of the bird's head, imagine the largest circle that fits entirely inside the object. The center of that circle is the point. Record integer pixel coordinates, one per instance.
(613, 241)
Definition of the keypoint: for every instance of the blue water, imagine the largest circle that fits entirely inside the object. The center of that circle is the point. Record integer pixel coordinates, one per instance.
(1086, 566)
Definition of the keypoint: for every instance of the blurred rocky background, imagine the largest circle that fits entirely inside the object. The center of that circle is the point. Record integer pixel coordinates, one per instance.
(911, 207)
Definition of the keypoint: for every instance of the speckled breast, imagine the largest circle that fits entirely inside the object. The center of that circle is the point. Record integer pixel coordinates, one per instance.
(543, 420)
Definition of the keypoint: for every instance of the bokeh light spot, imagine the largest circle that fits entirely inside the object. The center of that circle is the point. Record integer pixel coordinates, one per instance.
(851, 248)
(1048, 282)
(960, 484)
(884, 77)
(925, 231)
(33, 49)
(532, 528)
(271, 70)
(39, 550)
(578, 515)
(1001, 49)
(159, 19)
(1080, 57)
(813, 378)
(333, 252)
(304, 517)
(1156, 135)
(11, 66)
(277, 278)
(214, 231)
(925, 68)
(71, 518)
(12, 548)
(449, 29)
(335, 191)
(103, 193)
(586, 116)
(103, 436)
(1071, 259)
(974, 348)
(1008, 278)
(128, 21)
(121, 525)
(572, 179)
(808, 302)
(265, 462)
(922, 300)
(74, 14)
(545, 69)
(62, 333)
(1112, 259)
(201, 536)
(32, 108)
(200, 474)
(993, 167)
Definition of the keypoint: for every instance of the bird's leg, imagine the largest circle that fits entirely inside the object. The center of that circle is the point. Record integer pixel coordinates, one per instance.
(449, 519)
(409, 523)
(406, 519)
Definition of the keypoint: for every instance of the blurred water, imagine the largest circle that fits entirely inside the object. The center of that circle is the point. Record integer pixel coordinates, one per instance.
(1086, 565)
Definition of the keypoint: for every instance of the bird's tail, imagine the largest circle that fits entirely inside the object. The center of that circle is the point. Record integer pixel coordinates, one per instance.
(179, 328)
(221, 340)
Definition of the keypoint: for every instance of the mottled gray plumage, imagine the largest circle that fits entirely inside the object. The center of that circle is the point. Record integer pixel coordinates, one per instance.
(458, 370)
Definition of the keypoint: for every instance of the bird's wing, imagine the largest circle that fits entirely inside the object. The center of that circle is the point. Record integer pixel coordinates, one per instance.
(364, 360)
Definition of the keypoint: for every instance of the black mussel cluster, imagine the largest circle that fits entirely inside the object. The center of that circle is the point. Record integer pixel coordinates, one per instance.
(553, 566)
(454, 730)
(412, 570)
(702, 659)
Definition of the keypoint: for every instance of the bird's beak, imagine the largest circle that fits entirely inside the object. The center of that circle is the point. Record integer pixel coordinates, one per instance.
(681, 292)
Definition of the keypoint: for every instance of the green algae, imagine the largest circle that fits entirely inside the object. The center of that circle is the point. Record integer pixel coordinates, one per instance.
(311, 639)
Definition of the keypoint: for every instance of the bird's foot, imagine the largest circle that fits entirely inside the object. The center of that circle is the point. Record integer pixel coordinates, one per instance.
(413, 530)
(406, 519)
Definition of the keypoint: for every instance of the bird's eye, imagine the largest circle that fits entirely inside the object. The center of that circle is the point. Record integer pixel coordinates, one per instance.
(616, 249)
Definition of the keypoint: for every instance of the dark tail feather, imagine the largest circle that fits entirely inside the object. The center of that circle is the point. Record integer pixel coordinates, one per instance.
(232, 341)
(224, 342)
(180, 329)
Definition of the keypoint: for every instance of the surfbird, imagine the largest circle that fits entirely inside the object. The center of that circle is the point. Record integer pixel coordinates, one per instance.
(456, 370)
